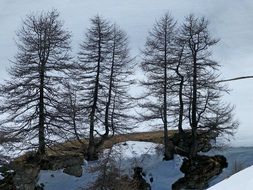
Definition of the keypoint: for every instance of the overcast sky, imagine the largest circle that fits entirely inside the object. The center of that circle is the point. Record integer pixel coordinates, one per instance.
(230, 20)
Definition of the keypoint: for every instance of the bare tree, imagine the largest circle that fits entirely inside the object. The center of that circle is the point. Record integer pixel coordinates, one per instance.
(30, 96)
(206, 111)
(104, 74)
(70, 110)
(92, 59)
(158, 66)
(119, 102)
(178, 87)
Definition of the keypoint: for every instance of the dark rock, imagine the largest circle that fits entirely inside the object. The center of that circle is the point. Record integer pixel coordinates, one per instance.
(139, 181)
(182, 142)
(76, 170)
(26, 170)
(72, 164)
(7, 182)
(199, 171)
(61, 161)
(26, 176)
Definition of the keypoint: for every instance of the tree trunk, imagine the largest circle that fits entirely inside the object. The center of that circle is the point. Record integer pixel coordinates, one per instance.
(168, 154)
(91, 153)
(181, 109)
(107, 125)
(91, 147)
(181, 102)
(193, 151)
(42, 145)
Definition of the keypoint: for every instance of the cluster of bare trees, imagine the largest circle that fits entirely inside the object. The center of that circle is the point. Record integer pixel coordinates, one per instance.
(183, 81)
(52, 96)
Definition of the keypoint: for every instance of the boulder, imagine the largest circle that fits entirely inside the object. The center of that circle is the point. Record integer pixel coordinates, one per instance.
(75, 170)
(138, 180)
(61, 161)
(199, 171)
(182, 142)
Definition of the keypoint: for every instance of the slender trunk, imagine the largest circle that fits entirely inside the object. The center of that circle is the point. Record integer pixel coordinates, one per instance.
(180, 97)
(107, 125)
(193, 151)
(42, 145)
(112, 117)
(91, 154)
(168, 155)
(73, 104)
(181, 108)
(91, 146)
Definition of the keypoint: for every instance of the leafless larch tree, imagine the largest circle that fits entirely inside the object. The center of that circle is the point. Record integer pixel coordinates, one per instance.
(207, 114)
(119, 102)
(158, 66)
(30, 97)
(104, 60)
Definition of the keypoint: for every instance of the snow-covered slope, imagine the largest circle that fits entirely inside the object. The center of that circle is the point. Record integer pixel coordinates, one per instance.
(132, 153)
(241, 180)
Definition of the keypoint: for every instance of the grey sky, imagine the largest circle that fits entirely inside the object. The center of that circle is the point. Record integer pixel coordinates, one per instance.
(231, 21)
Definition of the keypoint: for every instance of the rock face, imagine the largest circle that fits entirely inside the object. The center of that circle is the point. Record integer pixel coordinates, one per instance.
(61, 161)
(25, 177)
(72, 164)
(74, 170)
(199, 171)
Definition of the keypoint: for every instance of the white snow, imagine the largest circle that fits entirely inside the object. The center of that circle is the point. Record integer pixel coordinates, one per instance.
(132, 153)
(241, 180)
(1, 177)
(149, 156)
(57, 180)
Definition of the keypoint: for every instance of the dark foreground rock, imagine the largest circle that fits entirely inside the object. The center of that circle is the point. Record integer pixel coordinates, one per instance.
(199, 171)
(23, 174)
(138, 180)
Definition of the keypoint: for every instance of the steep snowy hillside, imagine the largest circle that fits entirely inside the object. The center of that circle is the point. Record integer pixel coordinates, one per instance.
(241, 180)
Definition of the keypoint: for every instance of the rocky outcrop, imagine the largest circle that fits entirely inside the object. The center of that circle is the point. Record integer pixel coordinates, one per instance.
(71, 164)
(199, 171)
(22, 174)
(60, 161)
(182, 142)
